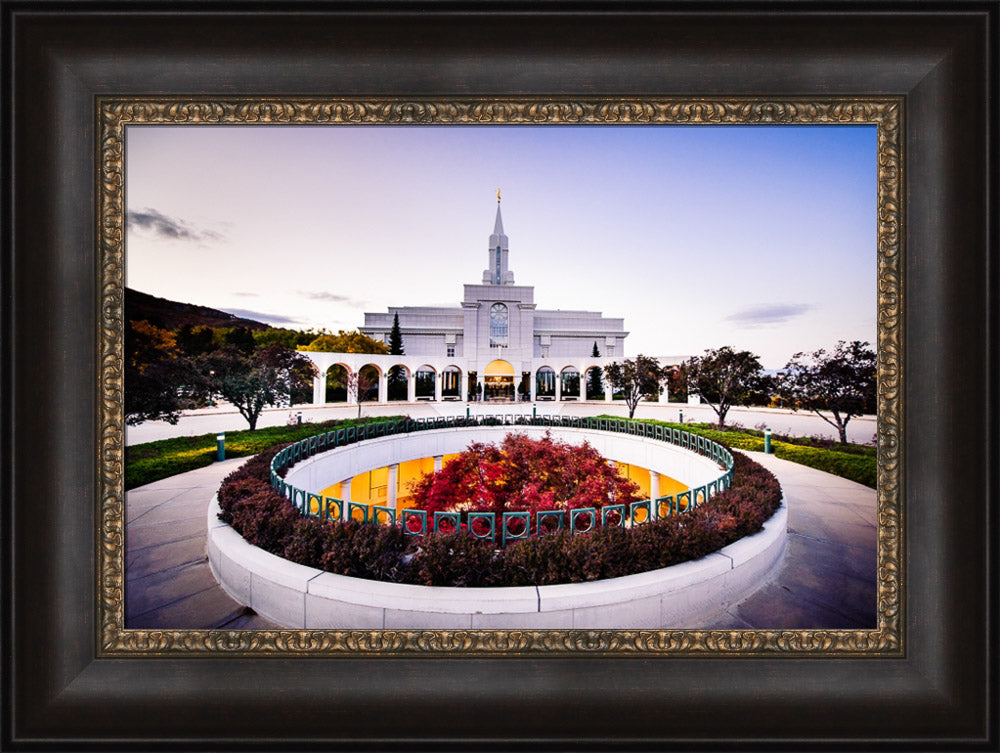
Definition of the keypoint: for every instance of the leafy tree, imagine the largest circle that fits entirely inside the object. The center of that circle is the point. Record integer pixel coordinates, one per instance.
(241, 338)
(346, 342)
(677, 382)
(252, 382)
(724, 377)
(843, 382)
(635, 379)
(290, 338)
(596, 389)
(195, 340)
(158, 378)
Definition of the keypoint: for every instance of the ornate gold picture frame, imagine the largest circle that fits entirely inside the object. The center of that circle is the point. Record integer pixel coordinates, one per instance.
(886, 113)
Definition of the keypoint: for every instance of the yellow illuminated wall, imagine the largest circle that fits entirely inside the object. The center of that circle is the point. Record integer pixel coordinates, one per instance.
(370, 488)
(640, 476)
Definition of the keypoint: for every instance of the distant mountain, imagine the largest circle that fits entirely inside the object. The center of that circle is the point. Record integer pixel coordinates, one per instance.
(174, 315)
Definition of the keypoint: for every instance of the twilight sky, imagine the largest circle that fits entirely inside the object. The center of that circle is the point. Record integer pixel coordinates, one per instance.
(758, 237)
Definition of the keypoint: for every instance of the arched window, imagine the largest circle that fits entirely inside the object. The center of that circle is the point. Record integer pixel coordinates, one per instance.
(499, 317)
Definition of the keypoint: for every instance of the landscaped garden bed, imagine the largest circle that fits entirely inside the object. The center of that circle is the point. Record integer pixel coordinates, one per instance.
(270, 521)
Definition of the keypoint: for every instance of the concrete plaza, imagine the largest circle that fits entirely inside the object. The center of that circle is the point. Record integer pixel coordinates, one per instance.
(827, 581)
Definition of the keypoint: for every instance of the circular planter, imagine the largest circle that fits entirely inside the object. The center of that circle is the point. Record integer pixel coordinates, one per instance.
(682, 596)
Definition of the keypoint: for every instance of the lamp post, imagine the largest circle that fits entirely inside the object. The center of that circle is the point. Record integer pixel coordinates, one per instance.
(220, 445)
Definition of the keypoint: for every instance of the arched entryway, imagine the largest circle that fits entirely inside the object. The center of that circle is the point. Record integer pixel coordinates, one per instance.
(336, 383)
(397, 380)
(545, 383)
(498, 381)
(426, 383)
(570, 383)
(451, 383)
(368, 383)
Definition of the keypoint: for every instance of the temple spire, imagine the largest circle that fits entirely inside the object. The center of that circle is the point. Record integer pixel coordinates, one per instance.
(497, 273)
(498, 223)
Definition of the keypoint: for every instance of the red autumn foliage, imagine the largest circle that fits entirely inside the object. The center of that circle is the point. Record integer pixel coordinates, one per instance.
(523, 474)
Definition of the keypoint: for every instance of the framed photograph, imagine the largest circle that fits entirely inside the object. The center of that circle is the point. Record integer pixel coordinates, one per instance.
(108, 113)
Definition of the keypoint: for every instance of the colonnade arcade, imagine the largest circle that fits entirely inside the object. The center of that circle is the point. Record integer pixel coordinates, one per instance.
(365, 377)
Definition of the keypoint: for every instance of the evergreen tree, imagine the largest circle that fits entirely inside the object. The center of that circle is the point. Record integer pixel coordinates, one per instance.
(596, 389)
(396, 384)
(395, 337)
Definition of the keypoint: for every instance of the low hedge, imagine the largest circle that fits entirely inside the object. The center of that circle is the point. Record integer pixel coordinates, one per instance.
(152, 461)
(364, 550)
(855, 462)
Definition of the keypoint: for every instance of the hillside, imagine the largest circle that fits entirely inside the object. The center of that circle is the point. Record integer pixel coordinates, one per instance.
(173, 315)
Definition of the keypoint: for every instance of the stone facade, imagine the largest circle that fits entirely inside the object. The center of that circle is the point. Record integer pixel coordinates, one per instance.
(495, 346)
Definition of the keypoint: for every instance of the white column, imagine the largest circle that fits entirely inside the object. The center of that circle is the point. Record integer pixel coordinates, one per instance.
(558, 386)
(411, 386)
(345, 495)
(319, 390)
(437, 386)
(438, 460)
(534, 385)
(654, 486)
(383, 388)
(607, 390)
(391, 483)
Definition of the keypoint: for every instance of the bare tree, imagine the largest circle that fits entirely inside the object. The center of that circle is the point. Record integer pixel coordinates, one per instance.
(359, 385)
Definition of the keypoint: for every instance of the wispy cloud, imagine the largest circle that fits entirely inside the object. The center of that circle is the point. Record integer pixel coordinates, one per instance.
(261, 316)
(322, 295)
(768, 314)
(242, 294)
(172, 228)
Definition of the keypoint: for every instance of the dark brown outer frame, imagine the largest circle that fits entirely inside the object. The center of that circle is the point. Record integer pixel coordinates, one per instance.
(58, 58)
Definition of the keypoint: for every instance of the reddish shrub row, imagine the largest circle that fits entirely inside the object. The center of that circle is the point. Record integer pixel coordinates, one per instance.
(364, 550)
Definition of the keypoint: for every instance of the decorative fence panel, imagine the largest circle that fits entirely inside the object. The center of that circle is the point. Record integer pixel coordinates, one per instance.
(513, 525)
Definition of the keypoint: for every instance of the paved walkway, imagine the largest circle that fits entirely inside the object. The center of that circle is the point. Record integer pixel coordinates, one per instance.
(829, 576)
(828, 579)
(168, 583)
(226, 418)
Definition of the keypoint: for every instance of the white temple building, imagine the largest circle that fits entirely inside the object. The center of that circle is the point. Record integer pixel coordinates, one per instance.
(495, 346)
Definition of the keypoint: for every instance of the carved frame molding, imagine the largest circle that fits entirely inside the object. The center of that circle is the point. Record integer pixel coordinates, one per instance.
(115, 114)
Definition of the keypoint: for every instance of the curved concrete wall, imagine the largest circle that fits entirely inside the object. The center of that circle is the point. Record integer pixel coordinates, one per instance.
(332, 467)
(682, 596)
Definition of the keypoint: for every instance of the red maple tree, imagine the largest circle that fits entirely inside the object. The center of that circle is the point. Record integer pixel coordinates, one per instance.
(523, 474)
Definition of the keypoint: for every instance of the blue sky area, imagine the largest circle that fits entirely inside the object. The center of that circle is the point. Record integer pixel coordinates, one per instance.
(758, 237)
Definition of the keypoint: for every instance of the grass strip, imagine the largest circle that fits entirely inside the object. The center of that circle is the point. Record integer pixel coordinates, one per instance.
(855, 462)
(152, 461)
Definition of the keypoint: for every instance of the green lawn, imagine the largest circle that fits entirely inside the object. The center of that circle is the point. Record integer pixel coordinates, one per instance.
(145, 463)
(856, 462)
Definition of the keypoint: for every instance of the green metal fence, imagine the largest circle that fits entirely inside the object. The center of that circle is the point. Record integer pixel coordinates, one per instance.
(512, 526)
